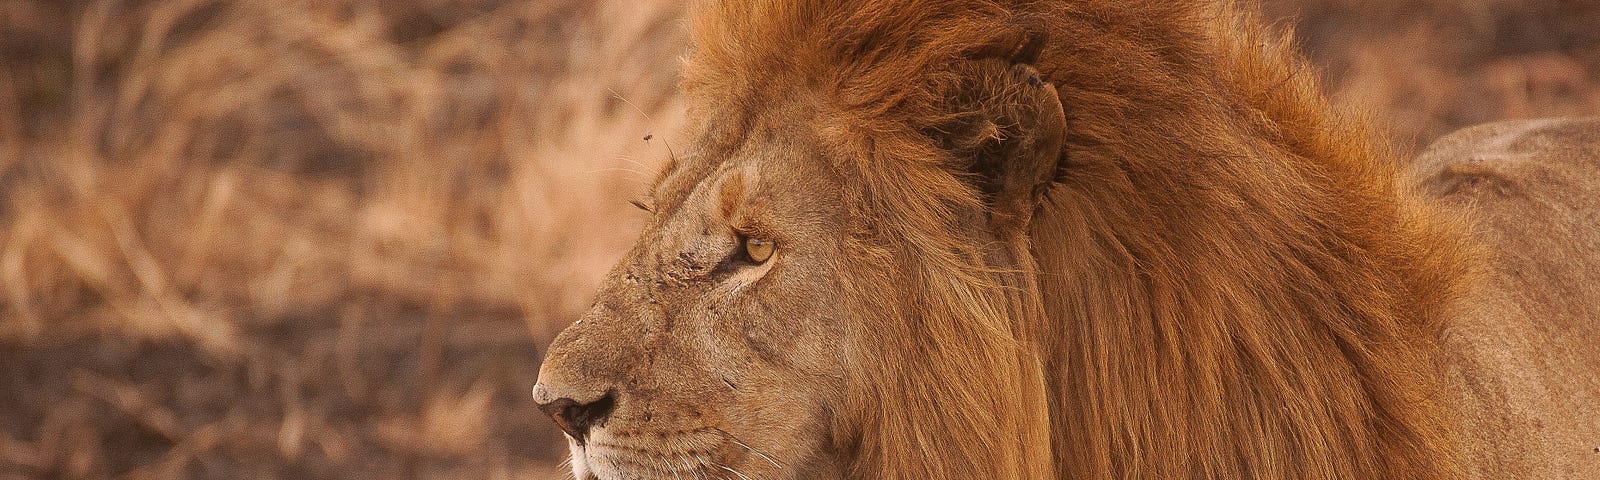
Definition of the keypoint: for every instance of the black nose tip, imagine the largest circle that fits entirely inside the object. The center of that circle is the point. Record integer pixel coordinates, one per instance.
(576, 418)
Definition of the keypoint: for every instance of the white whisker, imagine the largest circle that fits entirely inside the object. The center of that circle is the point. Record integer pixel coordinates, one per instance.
(702, 461)
(618, 169)
(758, 453)
(692, 470)
(670, 468)
(741, 475)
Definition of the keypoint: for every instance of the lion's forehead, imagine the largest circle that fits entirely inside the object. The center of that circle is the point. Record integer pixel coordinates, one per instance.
(776, 171)
(711, 199)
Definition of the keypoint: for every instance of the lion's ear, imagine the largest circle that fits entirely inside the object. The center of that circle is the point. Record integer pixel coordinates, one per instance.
(1007, 126)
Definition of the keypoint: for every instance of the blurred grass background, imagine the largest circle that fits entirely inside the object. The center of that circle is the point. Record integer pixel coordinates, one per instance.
(329, 239)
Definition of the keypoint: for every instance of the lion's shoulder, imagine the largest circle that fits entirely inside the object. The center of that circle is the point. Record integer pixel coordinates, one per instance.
(1526, 345)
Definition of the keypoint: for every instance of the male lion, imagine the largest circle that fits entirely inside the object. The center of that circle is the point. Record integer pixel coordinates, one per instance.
(962, 239)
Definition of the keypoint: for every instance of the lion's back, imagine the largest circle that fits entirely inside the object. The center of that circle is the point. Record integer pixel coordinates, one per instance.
(1524, 355)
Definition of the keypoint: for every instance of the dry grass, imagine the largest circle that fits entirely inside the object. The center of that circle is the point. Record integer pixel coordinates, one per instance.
(294, 239)
(1427, 67)
(309, 239)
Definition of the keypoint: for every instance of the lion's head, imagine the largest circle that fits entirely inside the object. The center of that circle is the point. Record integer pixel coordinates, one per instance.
(832, 275)
(889, 254)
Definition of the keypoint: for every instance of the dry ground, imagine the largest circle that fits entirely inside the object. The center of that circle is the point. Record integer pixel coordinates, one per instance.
(328, 239)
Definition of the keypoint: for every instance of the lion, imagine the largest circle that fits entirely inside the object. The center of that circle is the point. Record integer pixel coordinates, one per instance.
(959, 239)
(1524, 361)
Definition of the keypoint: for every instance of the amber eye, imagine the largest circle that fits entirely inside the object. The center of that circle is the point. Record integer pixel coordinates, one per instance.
(758, 250)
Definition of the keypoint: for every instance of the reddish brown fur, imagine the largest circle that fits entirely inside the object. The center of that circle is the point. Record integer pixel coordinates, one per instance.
(1224, 281)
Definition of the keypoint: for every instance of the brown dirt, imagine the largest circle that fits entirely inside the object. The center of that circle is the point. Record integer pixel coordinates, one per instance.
(250, 238)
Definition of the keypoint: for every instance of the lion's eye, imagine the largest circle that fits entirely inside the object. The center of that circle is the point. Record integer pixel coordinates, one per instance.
(757, 250)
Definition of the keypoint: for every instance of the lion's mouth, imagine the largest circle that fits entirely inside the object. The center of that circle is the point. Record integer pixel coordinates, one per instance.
(712, 453)
(641, 465)
(628, 467)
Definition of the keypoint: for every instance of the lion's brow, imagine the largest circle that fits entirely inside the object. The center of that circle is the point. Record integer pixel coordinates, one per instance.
(732, 194)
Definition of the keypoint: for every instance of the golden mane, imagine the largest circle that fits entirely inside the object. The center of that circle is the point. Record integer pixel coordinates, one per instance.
(1224, 280)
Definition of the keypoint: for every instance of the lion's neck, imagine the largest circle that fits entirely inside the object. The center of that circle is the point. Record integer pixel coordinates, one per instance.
(1242, 345)
(1235, 287)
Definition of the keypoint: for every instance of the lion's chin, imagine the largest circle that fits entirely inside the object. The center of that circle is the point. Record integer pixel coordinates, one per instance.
(583, 465)
(579, 461)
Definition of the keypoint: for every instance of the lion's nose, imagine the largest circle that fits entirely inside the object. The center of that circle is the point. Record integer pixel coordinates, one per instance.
(572, 416)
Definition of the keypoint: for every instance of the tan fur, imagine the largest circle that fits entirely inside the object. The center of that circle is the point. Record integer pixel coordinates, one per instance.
(1524, 359)
(1214, 276)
